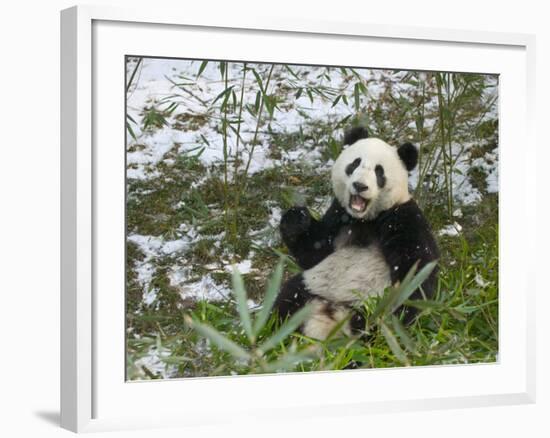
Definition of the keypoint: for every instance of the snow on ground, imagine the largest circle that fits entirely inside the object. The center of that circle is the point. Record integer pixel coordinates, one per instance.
(204, 289)
(156, 82)
(155, 247)
(153, 362)
(275, 217)
(243, 267)
(463, 190)
(451, 230)
(489, 163)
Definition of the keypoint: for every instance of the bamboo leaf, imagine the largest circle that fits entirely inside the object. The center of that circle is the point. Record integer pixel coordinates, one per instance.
(408, 286)
(463, 308)
(175, 360)
(286, 329)
(402, 334)
(270, 295)
(336, 329)
(201, 68)
(131, 131)
(291, 72)
(385, 303)
(222, 94)
(257, 102)
(226, 97)
(258, 80)
(242, 306)
(222, 68)
(131, 80)
(288, 362)
(423, 304)
(393, 344)
(218, 339)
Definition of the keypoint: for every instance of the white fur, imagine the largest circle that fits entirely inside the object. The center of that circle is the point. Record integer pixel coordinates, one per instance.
(321, 324)
(349, 274)
(372, 151)
(352, 273)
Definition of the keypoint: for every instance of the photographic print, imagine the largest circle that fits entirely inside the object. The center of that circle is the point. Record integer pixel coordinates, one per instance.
(293, 218)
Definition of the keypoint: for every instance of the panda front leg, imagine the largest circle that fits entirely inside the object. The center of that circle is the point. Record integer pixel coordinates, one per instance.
(306, 238)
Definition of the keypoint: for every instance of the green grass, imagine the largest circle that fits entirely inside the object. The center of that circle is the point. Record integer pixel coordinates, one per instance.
(460, 324)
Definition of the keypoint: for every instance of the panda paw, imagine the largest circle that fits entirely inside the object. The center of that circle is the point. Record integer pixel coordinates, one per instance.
(294, 223)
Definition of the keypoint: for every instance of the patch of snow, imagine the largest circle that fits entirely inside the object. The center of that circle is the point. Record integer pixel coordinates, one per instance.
(141, 173)
(260, 160)
(275, 217)
(451, 230)
(243, 267)
(480, 281)
(489, 164)
(155, 82)
(463, 190)
(152, 248)
(152, 360)
(173, 246)
(149, 296)
(205, 289)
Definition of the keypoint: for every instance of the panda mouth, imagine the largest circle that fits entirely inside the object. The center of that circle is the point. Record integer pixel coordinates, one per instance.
(358, 204)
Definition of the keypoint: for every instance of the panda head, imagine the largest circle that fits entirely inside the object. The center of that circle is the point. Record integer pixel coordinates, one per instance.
(370, 176)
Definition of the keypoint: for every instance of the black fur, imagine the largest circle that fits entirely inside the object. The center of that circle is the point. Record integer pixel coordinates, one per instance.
(354, 134)
(293, 297)
(409, 155)
(309, 240)
(405, 237)
(380, 177)
(402, 232)
(352, 166)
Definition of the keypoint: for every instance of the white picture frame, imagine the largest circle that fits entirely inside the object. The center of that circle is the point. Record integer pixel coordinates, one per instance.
(93, 395)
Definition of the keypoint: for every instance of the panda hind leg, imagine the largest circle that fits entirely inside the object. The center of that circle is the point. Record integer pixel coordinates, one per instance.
(325, 315)
(325, 318)
(292, 297)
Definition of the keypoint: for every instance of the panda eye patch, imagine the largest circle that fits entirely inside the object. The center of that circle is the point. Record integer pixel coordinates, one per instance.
(380, 177)
(352, 166)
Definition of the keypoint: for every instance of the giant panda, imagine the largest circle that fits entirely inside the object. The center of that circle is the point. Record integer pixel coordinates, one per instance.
(369, 238)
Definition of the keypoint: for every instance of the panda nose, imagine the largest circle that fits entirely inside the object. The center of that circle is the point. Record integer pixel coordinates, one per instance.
(360, 187)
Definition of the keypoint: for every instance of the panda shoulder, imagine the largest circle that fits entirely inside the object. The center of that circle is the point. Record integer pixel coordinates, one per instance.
(404, 234)
(406, 217)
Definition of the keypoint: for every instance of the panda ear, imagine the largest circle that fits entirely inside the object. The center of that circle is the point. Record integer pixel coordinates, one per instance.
(355, 134)
(409, 155)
